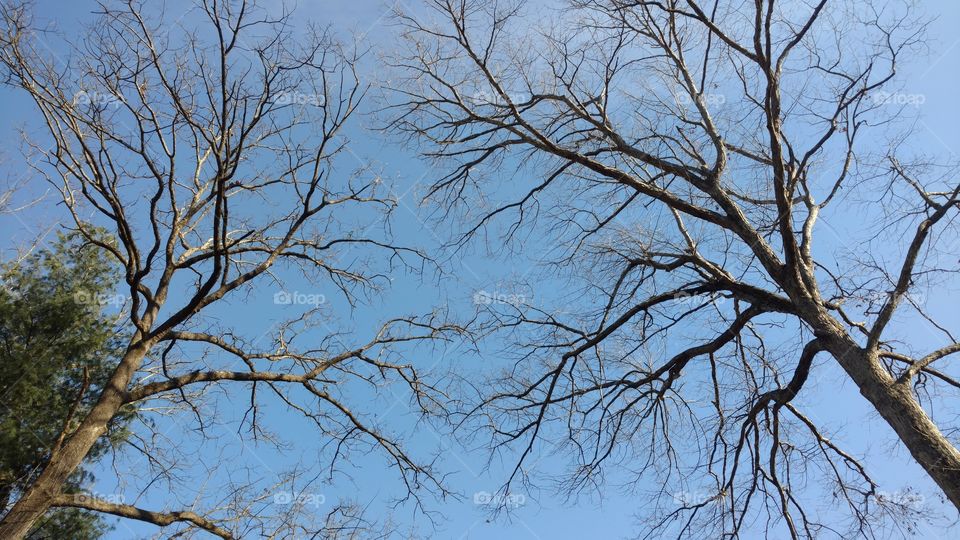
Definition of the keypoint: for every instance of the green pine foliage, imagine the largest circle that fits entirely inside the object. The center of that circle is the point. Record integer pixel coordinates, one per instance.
(58, 346)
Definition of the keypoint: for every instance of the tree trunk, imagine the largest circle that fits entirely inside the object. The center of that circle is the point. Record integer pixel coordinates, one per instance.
(35, 502)
(902, 412)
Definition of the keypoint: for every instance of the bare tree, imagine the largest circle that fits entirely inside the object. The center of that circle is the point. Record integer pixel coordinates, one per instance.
(207, 148)
(686, 150)
(12, 202)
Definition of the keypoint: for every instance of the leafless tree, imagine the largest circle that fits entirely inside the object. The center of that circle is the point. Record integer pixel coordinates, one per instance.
(686, 150)
(206, 146)
(12, 202)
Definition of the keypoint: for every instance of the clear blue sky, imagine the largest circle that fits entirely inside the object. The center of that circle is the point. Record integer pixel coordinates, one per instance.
(544, 516)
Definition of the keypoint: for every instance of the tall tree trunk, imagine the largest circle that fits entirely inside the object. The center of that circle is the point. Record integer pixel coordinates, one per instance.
(902, 412)
(35, 502)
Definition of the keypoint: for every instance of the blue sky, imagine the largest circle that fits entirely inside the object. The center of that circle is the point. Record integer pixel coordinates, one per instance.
(608, 514)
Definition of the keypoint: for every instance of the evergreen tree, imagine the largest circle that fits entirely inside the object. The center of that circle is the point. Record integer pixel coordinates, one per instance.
(57, 347)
